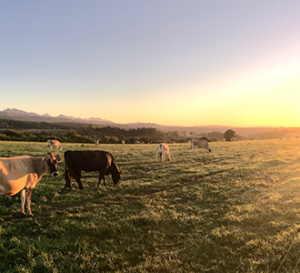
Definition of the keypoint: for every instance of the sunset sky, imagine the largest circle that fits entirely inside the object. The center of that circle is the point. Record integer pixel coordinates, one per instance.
(171, 62)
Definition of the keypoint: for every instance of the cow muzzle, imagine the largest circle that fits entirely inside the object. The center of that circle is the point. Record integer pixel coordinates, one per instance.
(55, 174)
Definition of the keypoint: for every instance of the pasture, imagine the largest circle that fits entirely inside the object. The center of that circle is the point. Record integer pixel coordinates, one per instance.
(236, 209)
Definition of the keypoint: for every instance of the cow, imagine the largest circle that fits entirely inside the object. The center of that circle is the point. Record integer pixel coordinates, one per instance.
(123, 142)
(96, 142)
(89, 161)
(163, 150)
(201, 143)
(21, 174)
(53, 143)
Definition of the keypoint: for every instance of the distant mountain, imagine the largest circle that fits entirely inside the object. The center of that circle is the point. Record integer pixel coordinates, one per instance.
(17, 114)
(46, 115)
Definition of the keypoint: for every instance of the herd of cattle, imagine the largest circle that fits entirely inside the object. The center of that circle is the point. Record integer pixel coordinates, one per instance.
(21, 174)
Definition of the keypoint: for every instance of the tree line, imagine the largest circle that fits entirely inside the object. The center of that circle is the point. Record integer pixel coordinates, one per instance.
(12, 130)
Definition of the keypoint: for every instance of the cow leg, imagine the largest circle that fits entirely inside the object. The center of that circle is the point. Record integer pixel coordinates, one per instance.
(68, 178)
(23, 200)
(102, 176)
(28, 194)
(77, 177)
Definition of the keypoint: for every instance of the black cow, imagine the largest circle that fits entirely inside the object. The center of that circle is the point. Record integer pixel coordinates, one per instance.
(89, 161)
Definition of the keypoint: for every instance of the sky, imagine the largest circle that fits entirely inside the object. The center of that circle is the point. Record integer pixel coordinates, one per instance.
(170, 62)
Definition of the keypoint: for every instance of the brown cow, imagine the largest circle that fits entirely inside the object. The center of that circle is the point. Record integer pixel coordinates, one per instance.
(89, 161)
(21, 174)
(53, 143)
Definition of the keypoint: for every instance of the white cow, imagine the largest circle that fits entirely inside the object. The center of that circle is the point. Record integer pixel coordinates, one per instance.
(21, 174)
(201, 143)
(163, 150)
(53, 143)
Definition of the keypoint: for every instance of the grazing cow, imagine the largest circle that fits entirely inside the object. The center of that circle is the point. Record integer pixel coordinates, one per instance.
(201, 143)
(21, 174)
(96, 142)
(53, 143)
(163, 150)
(89, 161)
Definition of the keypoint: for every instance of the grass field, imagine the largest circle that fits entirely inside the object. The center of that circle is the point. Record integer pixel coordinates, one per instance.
(236, 209)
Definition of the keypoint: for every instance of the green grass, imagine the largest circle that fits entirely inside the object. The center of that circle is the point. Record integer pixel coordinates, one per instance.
(236, 209)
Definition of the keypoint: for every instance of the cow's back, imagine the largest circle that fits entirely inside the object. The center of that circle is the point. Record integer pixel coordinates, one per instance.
(16, 167)
(87, 160)
(201, 143)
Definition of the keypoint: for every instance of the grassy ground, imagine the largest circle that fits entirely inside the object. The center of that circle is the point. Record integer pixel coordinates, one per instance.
(236, 209)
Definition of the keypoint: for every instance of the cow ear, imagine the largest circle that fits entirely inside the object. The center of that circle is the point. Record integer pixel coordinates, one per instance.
(58, 158)
(48, 155)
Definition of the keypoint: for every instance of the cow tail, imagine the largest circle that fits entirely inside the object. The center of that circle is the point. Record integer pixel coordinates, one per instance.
(66, 168)
(67, 174)
(66, 164)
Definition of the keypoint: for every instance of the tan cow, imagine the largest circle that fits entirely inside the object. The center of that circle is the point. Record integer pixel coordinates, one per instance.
(53, 143)
(96, 142)
(21, 174)
(163, 150)
(201, 143)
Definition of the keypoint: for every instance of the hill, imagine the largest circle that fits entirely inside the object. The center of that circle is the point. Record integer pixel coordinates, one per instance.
(17, 114)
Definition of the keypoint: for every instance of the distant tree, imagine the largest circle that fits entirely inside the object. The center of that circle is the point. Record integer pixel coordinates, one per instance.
(215, 136)
(229, 135)
(114, 139)
(105, 139)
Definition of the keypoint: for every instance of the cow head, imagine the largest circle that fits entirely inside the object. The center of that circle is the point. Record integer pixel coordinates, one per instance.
(116, 176)
(51, 161)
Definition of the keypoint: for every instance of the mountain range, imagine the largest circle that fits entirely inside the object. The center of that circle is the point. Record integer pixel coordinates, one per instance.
(16, 114)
